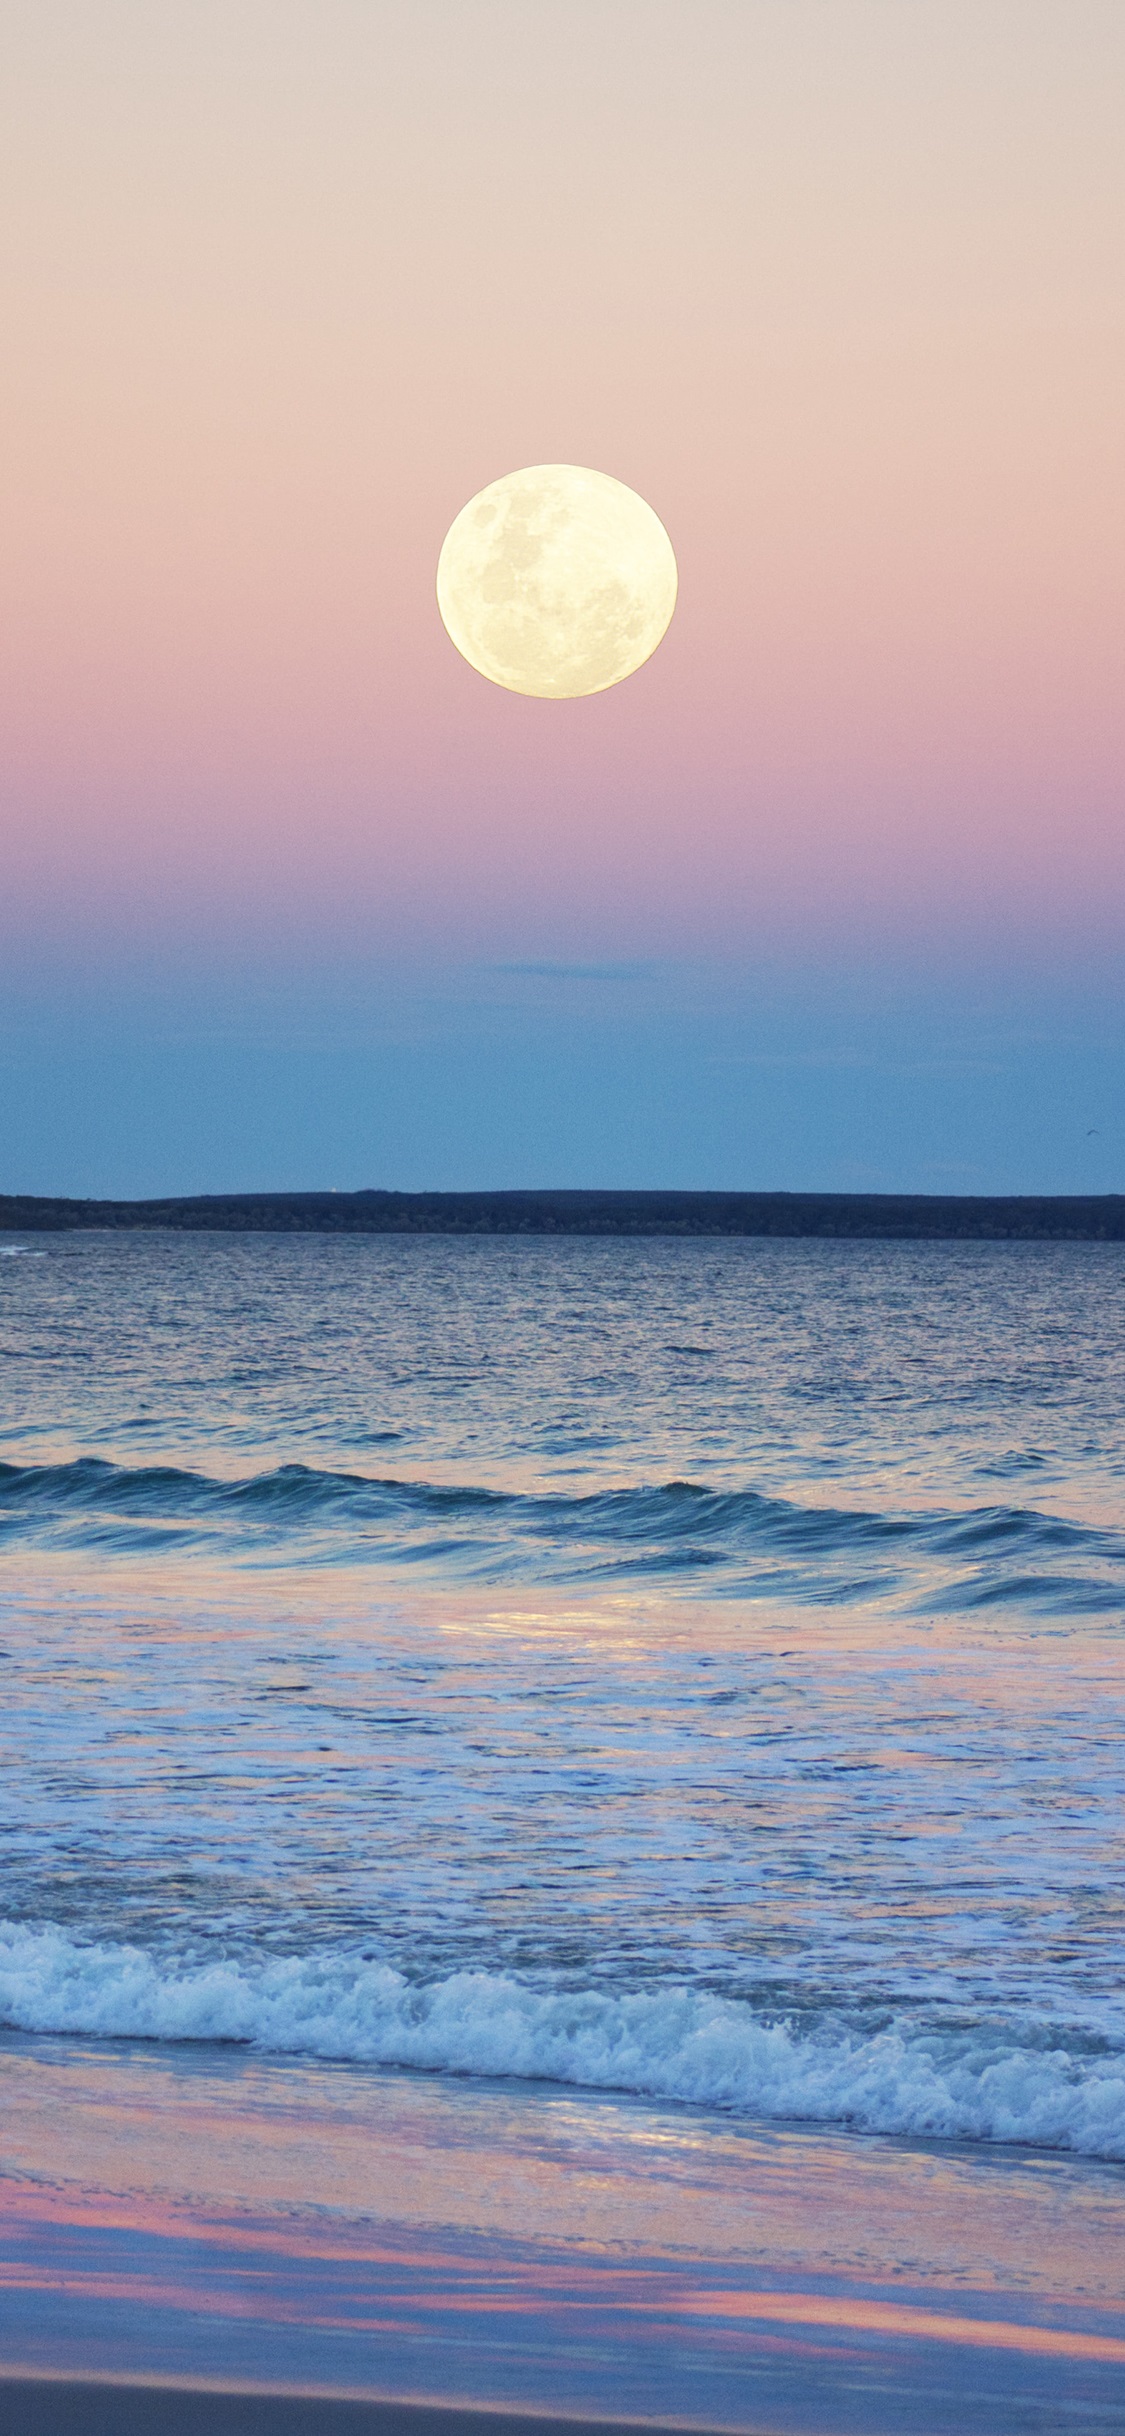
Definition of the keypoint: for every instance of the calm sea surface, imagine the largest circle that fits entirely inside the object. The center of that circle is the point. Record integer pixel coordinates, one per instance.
(682, 1668)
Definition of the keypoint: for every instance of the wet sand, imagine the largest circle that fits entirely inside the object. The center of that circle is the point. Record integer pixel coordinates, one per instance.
(205, 2239)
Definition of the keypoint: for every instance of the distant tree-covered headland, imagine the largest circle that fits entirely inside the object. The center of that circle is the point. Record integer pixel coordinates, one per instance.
(1018, 1217)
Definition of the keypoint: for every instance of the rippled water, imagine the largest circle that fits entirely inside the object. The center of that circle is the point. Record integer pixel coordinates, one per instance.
(691, 1668)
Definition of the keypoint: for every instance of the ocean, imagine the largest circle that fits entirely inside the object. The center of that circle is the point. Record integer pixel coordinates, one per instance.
(676, 1678)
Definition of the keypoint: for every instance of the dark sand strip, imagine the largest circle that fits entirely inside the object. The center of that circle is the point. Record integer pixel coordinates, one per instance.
(69, 2406)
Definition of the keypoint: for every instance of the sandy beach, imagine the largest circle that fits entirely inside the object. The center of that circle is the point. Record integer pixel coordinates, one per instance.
(199, 2238)
(71, 2406)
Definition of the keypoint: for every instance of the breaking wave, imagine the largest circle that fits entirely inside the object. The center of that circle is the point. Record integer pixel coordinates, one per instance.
(740, 1539)
(673, 2043)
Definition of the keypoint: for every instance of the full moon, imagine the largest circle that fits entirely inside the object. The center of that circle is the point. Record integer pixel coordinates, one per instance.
(556, 581)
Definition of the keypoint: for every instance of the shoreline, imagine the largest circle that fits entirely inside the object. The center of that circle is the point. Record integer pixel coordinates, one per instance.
(223, 2244)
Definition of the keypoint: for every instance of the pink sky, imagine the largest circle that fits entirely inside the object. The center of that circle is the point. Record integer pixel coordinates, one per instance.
(837, 285)
(839, 288)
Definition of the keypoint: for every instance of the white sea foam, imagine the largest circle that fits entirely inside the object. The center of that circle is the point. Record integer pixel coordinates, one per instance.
(673, 2044)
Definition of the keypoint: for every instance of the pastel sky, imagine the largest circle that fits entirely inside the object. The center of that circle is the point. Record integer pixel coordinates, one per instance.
(831, 891)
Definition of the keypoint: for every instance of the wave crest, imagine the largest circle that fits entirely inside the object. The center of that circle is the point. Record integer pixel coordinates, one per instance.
(740, 1538)
(670, 2043)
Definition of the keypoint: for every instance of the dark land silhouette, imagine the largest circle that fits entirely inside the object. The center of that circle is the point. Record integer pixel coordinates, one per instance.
(1002, 1217)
